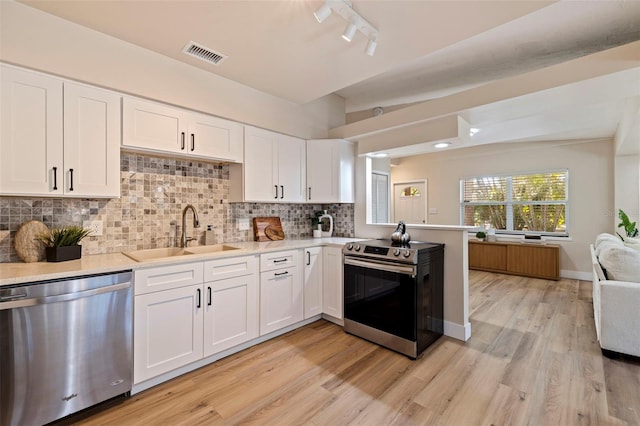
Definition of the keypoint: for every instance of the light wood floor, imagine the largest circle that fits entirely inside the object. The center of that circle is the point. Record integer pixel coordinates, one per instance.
(532, 359)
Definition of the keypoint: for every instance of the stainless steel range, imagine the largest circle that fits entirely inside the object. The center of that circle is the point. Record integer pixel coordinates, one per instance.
(393, 294)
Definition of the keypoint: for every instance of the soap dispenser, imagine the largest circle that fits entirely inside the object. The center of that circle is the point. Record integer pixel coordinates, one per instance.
(326, 216)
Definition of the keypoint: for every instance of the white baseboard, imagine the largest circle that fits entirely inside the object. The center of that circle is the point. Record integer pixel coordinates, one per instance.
(457, 331)
(576, 275)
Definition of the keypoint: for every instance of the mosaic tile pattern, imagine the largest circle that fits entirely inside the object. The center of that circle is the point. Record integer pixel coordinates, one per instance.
(154, 191)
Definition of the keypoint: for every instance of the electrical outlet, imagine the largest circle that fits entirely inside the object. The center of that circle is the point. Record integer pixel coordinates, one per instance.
(94, 225)
(243, 224)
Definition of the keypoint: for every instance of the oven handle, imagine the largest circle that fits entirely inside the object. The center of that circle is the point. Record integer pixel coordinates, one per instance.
(400, 269)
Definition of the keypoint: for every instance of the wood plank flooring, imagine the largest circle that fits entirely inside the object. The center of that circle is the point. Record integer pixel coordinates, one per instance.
(533, 359)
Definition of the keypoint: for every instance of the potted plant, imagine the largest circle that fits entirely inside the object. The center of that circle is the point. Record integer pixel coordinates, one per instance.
(629, 227)
(316, 226)
(481, 235)
(63, 243)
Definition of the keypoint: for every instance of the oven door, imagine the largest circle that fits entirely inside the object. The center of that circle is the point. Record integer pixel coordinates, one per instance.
(381, 295)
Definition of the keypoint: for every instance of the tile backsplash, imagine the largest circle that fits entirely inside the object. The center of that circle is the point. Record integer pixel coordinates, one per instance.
(148, 214)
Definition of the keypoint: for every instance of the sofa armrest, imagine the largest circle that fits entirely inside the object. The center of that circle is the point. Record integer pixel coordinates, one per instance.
(620, 316)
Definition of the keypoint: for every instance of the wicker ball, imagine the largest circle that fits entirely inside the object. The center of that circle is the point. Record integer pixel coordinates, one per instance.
(27, 243)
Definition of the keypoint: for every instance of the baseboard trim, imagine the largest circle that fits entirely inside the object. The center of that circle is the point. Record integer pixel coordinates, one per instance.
(457, 331)
(576, 275)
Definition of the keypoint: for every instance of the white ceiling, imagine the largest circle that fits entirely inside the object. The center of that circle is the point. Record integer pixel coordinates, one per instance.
(426, 50)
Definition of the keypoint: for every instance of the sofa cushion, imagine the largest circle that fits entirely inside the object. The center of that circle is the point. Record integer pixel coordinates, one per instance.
(621, 263)
(606, 237)
(605, 244)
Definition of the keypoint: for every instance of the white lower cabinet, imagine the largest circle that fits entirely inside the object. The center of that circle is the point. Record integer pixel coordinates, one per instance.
(312, 281)
(281, 290)
(231, 304)
(175, 326)
(167, 331)
(332, 297)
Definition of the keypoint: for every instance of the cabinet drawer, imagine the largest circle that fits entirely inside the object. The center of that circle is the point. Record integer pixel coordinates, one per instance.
(221, 269)
(279, 260)
(167, 277)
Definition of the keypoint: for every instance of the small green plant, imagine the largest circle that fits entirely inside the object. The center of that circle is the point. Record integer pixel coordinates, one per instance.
(481, 235)
(65, 236)
(315, 220)
(629, 227)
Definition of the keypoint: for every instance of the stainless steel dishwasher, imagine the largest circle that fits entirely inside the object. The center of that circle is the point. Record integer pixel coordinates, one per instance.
(64, 346)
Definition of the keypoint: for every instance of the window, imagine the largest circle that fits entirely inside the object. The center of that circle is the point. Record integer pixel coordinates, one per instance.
(525, 203)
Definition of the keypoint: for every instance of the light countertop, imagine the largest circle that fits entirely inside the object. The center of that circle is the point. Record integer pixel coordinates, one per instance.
(19, 272)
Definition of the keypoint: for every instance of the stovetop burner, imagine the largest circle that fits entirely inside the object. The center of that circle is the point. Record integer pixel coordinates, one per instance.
(386, 250)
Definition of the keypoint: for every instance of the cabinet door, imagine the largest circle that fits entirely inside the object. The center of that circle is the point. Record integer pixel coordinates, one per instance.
(215, 138)
(167, 331)
(332, 299)
(260, 165)
(231, 312)
(281, 301)
(31, 137)
(330, 171)
(312, 281)
(322, 171)
(153, 126)
(91, 142)
(291, 169)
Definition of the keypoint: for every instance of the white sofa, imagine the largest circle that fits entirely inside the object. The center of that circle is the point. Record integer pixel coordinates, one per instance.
(616, 294)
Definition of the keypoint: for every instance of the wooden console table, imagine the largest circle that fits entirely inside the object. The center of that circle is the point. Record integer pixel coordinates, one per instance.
(526, 259)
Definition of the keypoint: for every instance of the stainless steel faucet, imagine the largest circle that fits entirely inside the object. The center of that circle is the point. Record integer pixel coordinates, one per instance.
(196, 224)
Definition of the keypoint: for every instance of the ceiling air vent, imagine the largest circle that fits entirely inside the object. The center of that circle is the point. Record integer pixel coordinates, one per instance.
(204, 53)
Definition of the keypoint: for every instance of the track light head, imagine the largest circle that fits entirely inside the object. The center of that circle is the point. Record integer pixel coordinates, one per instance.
(371, 46)
(322, 13)
(349, 32)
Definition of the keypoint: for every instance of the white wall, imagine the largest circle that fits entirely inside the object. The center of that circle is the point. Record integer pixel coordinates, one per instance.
(37, 40)
(591, 185)
(627, 188)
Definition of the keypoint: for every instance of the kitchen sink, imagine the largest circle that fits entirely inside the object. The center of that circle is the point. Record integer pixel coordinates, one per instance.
(210, 249)
(169, 252)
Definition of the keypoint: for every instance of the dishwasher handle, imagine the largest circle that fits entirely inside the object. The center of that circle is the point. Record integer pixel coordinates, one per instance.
(62, 297)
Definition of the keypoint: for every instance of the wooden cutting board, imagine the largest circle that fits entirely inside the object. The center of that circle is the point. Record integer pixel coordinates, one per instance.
(267, 229)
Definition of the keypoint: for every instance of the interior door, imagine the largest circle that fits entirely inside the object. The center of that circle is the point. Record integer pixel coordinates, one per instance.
(410, 202)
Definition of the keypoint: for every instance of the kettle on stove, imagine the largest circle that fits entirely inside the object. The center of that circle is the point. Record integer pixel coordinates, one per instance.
(400, 235)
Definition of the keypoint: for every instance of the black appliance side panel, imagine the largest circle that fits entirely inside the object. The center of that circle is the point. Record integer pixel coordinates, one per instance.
(430, 298)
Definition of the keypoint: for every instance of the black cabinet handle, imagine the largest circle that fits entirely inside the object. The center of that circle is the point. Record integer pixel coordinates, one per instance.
(70, 179)
(282, 191)
(55, 178)
(280, 260)
(308, 258)
(198, 304)
(193, 141)
(309, 192)
(276, 197)
(279, 274)
(209, 296)
(182, 140)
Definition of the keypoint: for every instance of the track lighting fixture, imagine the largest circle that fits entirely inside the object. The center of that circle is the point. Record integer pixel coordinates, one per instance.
(322, 13)
(355, 22)
(349, 32)
(371, 47)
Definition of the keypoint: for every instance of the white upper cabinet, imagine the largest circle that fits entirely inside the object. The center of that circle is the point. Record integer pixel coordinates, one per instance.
(57, 138)
(91, 142)
(154, 127)
(274, 168)
(330, 171)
